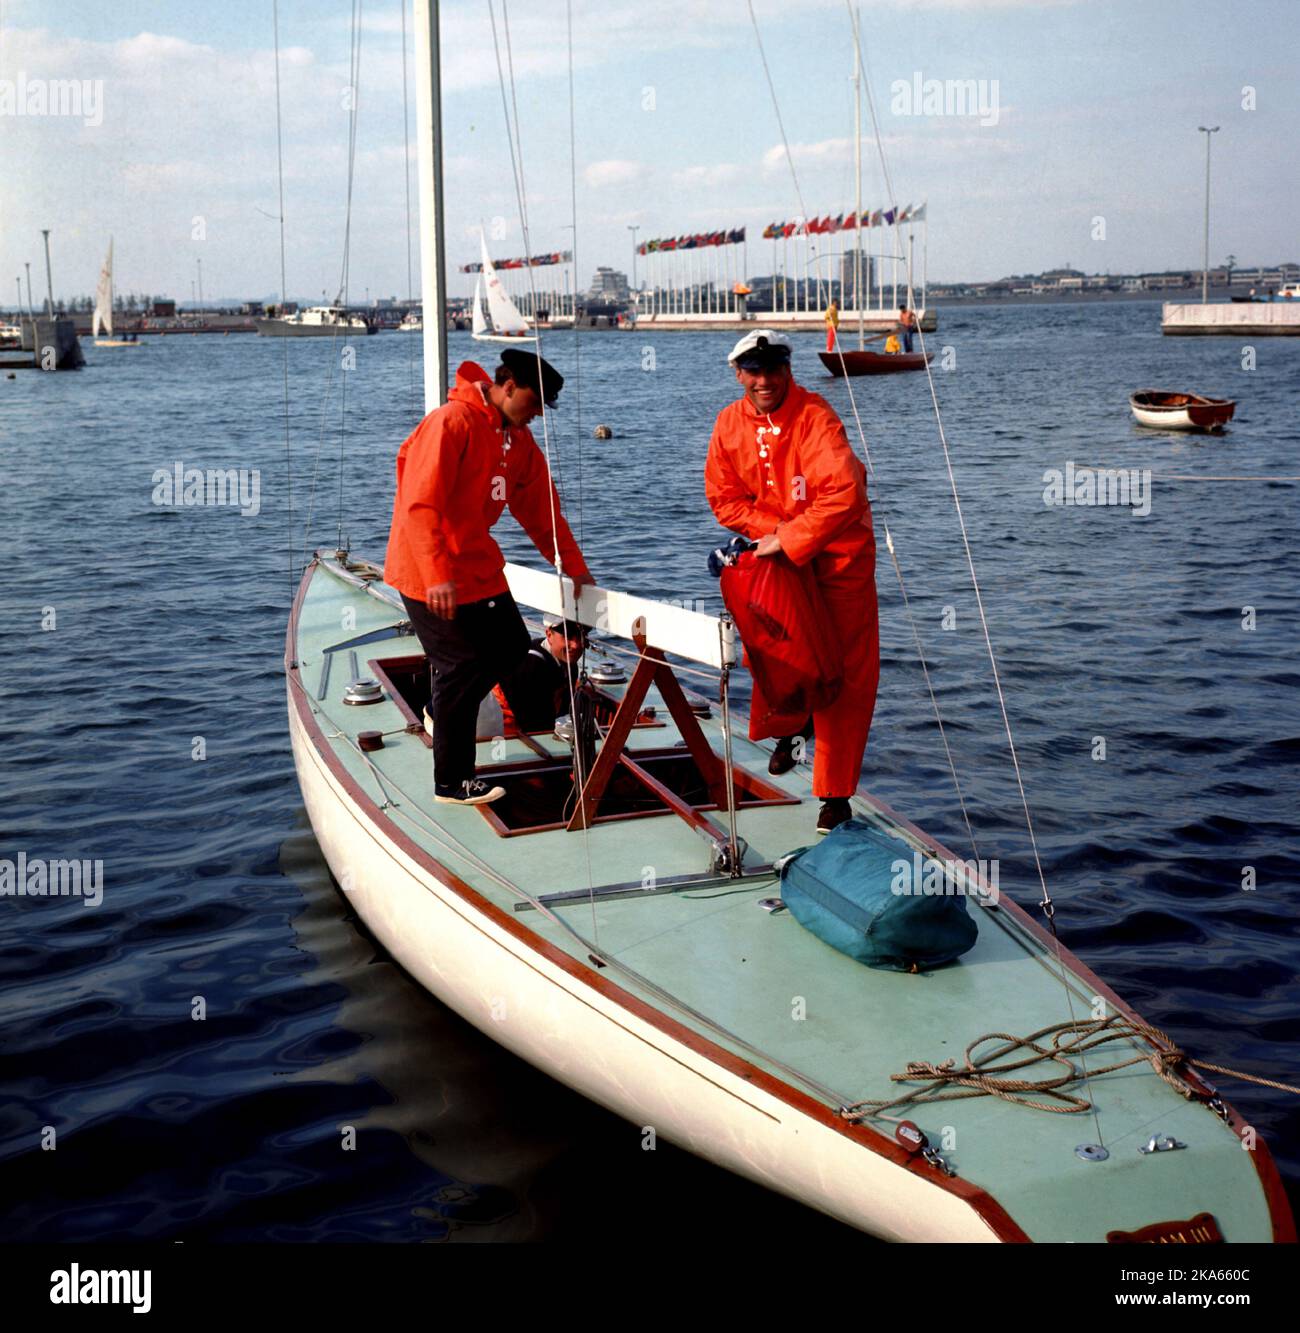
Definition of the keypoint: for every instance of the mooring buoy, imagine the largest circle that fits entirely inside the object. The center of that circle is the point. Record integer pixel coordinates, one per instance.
(603, 433)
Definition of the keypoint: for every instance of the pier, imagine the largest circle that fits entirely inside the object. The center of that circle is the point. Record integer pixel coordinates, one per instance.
(1258, 319)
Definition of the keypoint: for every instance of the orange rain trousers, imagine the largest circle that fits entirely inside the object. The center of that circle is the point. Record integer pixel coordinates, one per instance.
(793, 473)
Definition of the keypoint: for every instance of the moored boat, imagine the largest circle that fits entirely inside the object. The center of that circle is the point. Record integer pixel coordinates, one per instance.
(665, 988)
(319, 321)
(102, 318)
(848, 362)
(1180, 411)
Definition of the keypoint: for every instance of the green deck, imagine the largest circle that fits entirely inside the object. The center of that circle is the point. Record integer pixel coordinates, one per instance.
(723, 956)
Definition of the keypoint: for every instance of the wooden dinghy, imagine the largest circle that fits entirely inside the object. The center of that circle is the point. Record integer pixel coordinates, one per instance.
(665, 988)
(1181, 411)
(855, 363)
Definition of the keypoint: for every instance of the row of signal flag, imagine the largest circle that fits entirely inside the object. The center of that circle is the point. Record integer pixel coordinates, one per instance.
(537, 261)
(697, 242)
(882, 217)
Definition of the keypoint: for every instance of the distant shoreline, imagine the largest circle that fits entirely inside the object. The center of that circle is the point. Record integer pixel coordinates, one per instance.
(1083, 298)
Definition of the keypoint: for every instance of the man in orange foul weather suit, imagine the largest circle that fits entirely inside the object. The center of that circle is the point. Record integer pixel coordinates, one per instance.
(781, 472)
(455, 474)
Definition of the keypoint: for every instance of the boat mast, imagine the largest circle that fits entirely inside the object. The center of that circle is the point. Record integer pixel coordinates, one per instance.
(857, 164)
(433, 259)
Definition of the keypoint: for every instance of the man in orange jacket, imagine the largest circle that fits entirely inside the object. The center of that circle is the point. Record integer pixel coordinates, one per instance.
(455, 474)
(781, 472)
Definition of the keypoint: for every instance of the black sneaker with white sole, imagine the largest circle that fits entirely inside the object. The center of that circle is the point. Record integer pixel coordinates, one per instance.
(834, 812)
(473, 792)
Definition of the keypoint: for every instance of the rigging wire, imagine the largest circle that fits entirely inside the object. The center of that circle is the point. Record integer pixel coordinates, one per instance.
(279, 154)
(573, 208)
(406, 162)
(354, 76)
(879, 490)
(1046, 904)
(785, 142)
(517, 169)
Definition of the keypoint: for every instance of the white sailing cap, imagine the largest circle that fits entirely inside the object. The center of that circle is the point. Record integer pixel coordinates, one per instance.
(761, 347)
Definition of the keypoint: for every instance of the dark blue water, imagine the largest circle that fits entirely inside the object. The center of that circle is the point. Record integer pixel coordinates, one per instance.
(166, 639)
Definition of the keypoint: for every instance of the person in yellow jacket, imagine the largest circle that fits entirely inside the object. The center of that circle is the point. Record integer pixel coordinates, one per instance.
(832, 324)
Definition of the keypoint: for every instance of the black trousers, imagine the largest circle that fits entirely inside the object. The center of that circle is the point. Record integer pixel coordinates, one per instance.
(468, 655)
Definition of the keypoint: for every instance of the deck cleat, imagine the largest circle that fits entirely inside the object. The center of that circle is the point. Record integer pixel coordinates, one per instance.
(1161, 1143)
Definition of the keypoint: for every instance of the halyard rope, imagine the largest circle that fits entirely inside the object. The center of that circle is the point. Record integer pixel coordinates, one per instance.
(994, 1073)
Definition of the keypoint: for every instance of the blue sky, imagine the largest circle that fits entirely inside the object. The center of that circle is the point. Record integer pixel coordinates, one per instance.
(1098, 105)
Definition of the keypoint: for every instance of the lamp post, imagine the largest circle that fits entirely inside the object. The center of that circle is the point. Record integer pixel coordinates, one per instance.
(1205, 270)
(28, 266)
(49, 280)
(634, 228)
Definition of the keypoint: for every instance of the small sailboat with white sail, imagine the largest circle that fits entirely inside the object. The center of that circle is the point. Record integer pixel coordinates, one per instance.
(503, 321)
(843, 362)
(103, 316)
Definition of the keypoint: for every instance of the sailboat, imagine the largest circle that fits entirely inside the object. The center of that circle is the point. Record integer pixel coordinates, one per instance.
(103, 316)
(615, 920)
(842, 361)
(503, 322)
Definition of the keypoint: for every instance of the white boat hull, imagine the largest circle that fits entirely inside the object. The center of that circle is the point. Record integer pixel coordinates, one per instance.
(597, 1045)
(1169, 418)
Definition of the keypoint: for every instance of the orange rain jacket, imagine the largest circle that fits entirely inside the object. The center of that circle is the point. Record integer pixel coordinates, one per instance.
(793, 473)
(456, 472)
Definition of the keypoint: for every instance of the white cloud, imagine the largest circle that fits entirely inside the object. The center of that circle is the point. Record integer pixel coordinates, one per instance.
(722, 173)
(824, 151)
(613, 171)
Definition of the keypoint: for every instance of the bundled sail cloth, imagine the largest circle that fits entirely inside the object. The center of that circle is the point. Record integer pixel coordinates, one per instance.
(790, 649)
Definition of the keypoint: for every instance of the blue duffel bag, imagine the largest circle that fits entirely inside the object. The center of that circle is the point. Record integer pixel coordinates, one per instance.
(843, 889)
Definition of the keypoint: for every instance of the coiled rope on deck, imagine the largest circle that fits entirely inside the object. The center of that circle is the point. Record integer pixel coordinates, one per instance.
(995, 1073)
